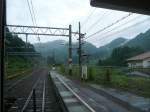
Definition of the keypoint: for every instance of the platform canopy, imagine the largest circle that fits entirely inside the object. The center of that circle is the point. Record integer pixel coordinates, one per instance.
(136, 6)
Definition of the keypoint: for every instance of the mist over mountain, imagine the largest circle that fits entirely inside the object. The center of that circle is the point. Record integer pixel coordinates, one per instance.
(106, 50)
(59, 48)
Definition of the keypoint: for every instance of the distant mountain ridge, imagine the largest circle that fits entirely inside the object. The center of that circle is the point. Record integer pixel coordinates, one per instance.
(142, 40)
(61, 51)
(105, 51)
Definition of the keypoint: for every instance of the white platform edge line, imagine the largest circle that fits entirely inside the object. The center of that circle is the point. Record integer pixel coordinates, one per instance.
(90, 108)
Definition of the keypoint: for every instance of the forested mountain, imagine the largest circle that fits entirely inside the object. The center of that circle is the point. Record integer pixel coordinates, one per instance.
(138, 45)
(142, 40)
(17, 63)
(60, 52)
(55, 49)
(14, 44)
(105, 51)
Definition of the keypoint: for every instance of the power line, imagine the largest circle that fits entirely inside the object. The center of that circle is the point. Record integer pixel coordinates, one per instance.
(88, 17)
(96, 22)
(34, 17)
(30, 12)
(33, 12)
(124, 29)
(109, 25)
(120, 25)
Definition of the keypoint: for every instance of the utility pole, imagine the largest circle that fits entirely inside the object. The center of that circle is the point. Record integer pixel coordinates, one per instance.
(70, 50)
(53, 55)
(2, 65)
(26, 41)
(80, 51)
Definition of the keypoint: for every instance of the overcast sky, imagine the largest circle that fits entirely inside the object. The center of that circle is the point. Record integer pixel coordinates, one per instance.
(61, 13)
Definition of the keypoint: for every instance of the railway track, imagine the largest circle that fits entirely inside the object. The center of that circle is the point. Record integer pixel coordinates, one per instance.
(47, 94)
(39, 98)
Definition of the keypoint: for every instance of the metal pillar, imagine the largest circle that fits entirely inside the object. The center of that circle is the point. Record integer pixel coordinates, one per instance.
(53, 56)
(26, 41)
(2, 54)
(70, 50)
(80, 51)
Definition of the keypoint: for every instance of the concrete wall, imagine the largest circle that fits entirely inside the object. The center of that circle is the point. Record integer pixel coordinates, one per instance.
(146, 63)
(135, 64)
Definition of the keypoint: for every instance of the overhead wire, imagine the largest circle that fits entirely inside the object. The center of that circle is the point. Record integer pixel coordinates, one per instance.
(123, 18)
(33, 10)
(32, 14)
(30, 10)
(96, 22)
(125, 29)
(137, 17)
(87, 19)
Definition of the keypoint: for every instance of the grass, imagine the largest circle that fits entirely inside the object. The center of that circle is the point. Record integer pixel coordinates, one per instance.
(118, 79)
(16, 67)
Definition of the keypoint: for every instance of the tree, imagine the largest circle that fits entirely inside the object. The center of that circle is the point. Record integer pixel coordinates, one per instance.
(119, 55)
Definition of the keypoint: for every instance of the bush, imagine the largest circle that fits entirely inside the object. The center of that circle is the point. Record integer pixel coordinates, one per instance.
(62, 69)
(90, 74)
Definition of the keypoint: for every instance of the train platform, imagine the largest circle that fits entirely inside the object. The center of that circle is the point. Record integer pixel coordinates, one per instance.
(81, 98)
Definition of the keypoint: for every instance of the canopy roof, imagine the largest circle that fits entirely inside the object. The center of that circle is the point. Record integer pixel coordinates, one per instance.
(136, 6)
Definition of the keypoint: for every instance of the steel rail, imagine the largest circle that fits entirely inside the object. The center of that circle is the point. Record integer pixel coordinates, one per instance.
(29, 97)
(43, 102)
(27, 101)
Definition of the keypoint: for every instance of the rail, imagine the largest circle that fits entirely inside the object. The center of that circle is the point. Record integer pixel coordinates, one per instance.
(30, 97)
(43, 102)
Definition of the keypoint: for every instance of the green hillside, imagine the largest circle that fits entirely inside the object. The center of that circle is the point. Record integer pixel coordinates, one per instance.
(142, 40)
(16, 65)
(105, 51)
(61, 51)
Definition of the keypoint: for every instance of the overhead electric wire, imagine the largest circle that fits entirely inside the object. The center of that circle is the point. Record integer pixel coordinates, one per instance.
(32, 18)
(109, 25)
(120, 25)
(96, 22)
(124, 29)
(86, 20)
(32, 14)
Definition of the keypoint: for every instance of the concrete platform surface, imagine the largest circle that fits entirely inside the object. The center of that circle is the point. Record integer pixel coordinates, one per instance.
(132, 99)
(97, 101)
